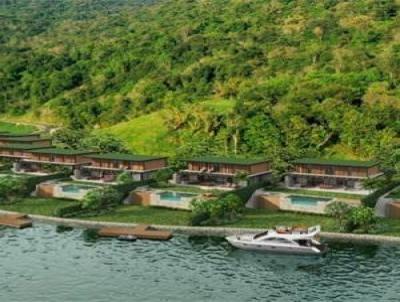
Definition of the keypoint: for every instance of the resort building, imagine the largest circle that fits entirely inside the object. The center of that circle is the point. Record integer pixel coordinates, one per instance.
(17, 151)
(34, 141)
(40, 160)
(336, 175)
(223, 172)
(21, 136)
(107, 166)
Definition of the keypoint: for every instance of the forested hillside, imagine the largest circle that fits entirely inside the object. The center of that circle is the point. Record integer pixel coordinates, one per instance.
(305, 77)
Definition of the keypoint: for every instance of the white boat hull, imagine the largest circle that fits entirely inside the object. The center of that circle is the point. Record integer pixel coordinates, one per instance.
(281, 249)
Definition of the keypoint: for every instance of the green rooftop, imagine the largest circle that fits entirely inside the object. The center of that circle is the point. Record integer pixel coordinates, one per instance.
(336, 162)
(16, 135)
(20, 147)
(57, 151)
(226, 160)
(125, 156)
(24, 139)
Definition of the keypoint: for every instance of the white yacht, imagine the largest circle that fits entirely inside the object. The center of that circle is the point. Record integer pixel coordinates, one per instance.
(282, 240)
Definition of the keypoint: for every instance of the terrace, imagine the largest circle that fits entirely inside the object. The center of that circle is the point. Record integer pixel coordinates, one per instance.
(105, 168)
(332, 175)
(223, 173)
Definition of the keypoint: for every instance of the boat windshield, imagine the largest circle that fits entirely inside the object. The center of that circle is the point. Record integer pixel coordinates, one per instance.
(304, 242)
(260, 235)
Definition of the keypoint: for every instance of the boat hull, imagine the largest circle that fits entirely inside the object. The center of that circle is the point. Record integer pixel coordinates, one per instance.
(282, 249)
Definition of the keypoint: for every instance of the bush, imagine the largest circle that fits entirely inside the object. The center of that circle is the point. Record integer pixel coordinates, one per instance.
(361, 219)
(69, 210)
(124, 178)
(101, 199)
(163, 176)
(338, 210)
(245, 193)
(214, 212)
(12, 188)
(371, 199)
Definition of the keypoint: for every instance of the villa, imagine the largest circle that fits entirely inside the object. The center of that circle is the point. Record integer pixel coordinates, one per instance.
(34, 141)
(17, 151)
(107, 166)
(223, 172)
(38, 160)
(21, 136)
(335, 175)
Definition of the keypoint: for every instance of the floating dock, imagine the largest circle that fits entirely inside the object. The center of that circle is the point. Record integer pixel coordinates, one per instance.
(17, 221)
(140, 232)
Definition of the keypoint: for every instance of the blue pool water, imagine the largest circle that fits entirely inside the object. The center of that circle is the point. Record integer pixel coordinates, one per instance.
(43, 265)
(76, 188)
(175, 196)
(306, 200)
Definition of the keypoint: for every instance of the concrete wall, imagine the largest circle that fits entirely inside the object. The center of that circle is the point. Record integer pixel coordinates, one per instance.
(393, 210)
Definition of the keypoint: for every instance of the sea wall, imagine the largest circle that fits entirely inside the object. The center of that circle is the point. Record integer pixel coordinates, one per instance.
(206, 231)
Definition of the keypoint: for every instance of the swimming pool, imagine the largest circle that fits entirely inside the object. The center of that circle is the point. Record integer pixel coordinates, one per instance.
(175, 196)
(308, 201)
(76, 188)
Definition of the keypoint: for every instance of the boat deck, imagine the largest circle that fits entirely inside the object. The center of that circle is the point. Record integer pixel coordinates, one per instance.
(140, 232)
(17, 221)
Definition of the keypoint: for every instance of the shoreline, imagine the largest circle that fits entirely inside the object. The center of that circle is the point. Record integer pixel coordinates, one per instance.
(202, 231)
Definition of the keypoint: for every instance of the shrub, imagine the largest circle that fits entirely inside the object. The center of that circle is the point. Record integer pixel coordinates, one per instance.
(371, 199)
(214, 212)
(163, 176)
(69, 210)
(245, 193)
(11, 188)
(361, 219)
(124, 178)
(338, 210)
(101, 199)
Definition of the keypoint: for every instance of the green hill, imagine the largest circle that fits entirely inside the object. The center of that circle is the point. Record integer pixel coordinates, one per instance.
(316, 78)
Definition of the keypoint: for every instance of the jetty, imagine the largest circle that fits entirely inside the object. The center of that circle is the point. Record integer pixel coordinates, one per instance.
(17, 221)
(140, 232)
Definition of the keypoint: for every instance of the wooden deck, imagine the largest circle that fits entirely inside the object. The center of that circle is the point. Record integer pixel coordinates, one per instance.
(17, 221)
(140, 232)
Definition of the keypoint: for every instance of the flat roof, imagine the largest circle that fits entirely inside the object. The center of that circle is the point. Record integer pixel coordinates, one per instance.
(125, 156)
(25, 139)
(8, 134)
(226, 160)
(20, 147)
(336, 162)
(58, 151)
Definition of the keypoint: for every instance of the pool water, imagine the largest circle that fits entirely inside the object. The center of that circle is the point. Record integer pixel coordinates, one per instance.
(301, 200)
(41, 264)
(175, 196)
(76, 188)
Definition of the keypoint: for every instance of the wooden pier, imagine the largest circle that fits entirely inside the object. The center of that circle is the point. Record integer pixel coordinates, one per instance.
(140, 232)
(17, 221)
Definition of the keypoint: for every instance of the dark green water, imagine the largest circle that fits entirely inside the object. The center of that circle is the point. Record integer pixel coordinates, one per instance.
(41, 264)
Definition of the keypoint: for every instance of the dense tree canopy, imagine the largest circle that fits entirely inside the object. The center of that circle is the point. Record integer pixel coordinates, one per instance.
(303, 76)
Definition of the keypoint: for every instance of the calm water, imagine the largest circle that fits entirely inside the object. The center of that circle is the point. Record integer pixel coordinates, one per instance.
(40, 264)
(306, 200)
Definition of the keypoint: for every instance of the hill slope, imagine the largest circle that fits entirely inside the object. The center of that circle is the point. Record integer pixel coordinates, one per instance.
(304, 77)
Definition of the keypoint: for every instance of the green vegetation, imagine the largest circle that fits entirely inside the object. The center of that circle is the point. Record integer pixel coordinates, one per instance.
(150, 215)
(395, 194)
(270, 79)
(38, 206)
(16, 128)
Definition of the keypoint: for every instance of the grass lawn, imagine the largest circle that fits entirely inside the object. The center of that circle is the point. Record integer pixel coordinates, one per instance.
(16, 128)
(260, 218)
(252, 218)
(149, 215)
(316, 193)
(38, 206)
